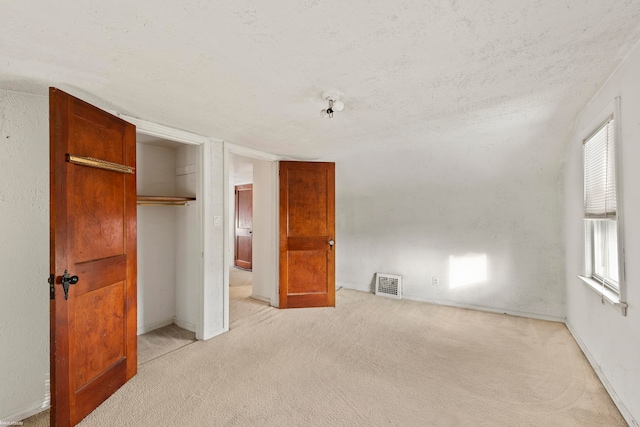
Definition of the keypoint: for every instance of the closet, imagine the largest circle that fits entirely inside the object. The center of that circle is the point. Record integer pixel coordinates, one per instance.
(169, 234)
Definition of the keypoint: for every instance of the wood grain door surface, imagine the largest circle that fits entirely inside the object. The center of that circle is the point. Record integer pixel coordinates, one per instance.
(244, 226)
(307, 234)
(93, 236)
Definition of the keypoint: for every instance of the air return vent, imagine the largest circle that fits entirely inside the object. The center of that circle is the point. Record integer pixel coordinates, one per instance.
(388, 285)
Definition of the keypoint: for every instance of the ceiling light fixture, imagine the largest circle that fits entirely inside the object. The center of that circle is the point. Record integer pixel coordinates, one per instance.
(333, 98)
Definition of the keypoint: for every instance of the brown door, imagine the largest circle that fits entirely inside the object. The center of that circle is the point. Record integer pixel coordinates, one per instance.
(244, 225)
(93, 237)
(307, 234)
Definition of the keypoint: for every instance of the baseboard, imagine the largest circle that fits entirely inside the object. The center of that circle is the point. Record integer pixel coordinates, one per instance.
(152, 326)
(184, 324)
(261, 298)
(25, 413)
(360, 288)
(367, 288)
(215, 333)
(603, 379)
(517, 313)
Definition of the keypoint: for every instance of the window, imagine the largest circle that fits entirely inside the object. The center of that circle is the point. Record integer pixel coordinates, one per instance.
(603, 261)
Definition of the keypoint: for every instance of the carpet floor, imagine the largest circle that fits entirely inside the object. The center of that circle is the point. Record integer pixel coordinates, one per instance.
(239, 277)
(371, 361)
(162, 341)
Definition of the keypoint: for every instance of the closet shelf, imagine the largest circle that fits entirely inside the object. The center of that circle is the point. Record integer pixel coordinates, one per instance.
(164, 200)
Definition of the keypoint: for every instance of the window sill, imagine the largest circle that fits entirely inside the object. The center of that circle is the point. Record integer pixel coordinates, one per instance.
(605, 293)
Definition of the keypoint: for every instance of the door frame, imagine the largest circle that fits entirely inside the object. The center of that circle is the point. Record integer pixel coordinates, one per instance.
(204, 197)
(230, 148)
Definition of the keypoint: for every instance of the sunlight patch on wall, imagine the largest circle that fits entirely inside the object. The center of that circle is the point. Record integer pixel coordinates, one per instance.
(467, 270)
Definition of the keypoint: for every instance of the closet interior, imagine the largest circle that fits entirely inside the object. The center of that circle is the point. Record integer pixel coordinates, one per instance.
(169, 234)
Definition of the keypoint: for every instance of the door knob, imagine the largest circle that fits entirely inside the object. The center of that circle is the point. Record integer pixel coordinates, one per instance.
(66, 281)
(331, 243)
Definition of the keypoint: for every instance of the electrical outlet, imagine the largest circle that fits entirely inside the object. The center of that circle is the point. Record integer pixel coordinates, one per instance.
(435, 281)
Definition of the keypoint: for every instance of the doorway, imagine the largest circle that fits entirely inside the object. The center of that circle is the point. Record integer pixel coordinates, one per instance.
(241, 228)
(241, 225)
(245, 167)
(194, 172)
(168, 245)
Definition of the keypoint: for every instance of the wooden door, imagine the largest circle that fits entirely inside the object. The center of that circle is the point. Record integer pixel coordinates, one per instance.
(307, 234)
(93, 237)
(244, 226)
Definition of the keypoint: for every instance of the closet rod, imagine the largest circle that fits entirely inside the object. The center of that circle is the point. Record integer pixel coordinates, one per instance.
(163, 200)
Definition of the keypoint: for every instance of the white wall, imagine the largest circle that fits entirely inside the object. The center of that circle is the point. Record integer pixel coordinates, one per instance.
(264, 233)
(214, 301)
(188, 240)
(611, 341)
(187, 173)
(155, 170)
(24, 255)
(493, 244)
(156, 238)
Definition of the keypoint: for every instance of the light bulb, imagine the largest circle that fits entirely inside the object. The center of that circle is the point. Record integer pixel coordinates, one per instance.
(324, 113)
(338, 105)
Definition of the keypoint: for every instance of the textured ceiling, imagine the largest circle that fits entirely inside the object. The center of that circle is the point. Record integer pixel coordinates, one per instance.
(488, 87)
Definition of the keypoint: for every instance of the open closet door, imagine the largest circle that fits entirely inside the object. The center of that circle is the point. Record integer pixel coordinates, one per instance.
(307, 234)
(93, 256)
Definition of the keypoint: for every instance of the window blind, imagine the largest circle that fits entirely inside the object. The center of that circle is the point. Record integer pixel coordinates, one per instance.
(600, 173)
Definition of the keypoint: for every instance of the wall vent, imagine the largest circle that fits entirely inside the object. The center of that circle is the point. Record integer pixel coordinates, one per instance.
(389, 285)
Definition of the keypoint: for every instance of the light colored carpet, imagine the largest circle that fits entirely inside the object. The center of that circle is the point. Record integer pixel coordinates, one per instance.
(239, 277)
(370, 361)
(162, 341)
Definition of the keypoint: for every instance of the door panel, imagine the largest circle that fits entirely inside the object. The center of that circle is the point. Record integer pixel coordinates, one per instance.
(93, 236)
(307, 203)
(99, 210)
(307, 226)
(92, 352)
(244, 226)
(310, 273)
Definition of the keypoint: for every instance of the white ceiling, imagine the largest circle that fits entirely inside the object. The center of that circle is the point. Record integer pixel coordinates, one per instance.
(431, 88)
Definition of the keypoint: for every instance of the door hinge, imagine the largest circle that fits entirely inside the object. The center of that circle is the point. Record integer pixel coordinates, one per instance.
(52, 292)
